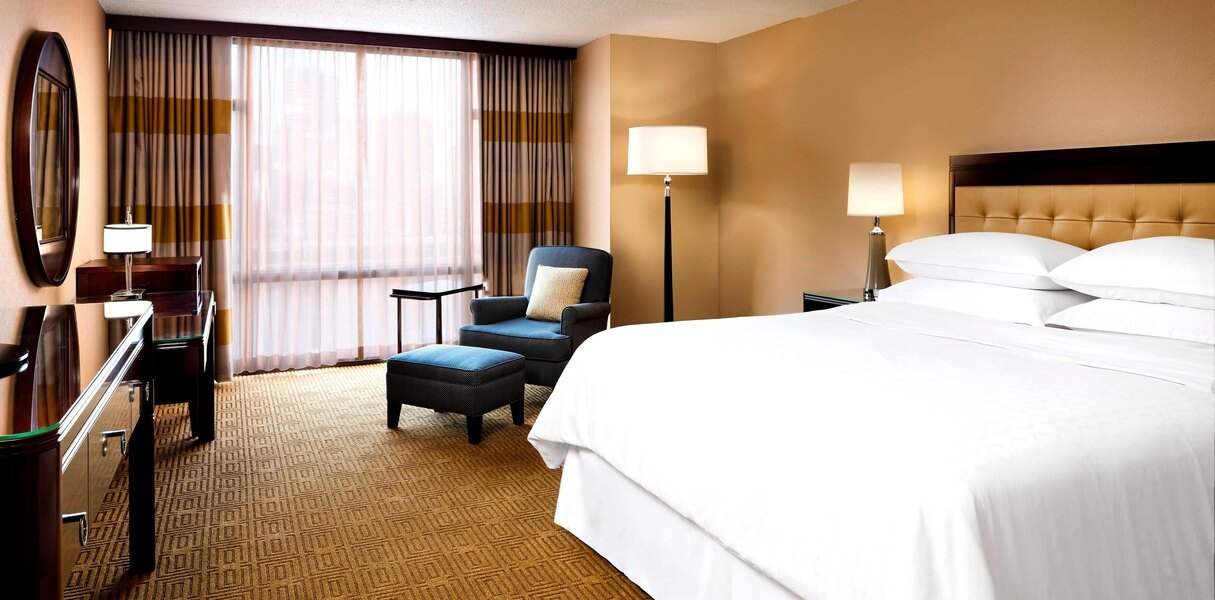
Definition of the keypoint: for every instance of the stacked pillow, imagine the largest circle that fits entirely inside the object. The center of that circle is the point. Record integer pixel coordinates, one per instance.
(1004, 276)
(1157, 286)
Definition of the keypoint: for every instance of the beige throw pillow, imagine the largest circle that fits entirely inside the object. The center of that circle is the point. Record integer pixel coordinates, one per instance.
(554, 289)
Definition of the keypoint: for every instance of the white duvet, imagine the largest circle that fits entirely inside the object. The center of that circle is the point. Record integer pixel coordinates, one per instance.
(893, 451)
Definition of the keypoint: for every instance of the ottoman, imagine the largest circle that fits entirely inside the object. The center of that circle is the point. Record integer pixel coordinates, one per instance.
(464, 380)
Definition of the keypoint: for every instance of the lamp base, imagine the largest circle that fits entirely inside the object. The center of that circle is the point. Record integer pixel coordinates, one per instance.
(877, 276)
(132, 294)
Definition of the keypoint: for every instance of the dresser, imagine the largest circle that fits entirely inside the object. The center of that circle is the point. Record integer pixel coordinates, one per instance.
(68, 417)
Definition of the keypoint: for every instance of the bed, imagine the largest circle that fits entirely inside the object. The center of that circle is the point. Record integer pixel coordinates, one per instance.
(887, 450)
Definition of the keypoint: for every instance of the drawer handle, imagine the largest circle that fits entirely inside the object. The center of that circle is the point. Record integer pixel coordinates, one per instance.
(83, 519)
(105, 440)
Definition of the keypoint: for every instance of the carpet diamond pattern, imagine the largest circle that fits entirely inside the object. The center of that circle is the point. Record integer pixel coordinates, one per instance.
(306, 494)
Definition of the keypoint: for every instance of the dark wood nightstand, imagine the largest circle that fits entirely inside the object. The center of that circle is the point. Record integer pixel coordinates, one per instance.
(821, 300)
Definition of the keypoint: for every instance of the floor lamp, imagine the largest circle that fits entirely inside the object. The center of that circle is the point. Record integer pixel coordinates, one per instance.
(875, 190)
(667, 151)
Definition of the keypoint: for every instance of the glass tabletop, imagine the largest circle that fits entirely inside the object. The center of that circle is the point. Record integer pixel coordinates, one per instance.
(69, 346)
(180, 316)
(852, 294)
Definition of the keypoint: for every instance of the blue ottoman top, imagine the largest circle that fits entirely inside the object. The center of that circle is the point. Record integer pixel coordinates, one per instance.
(467, 365)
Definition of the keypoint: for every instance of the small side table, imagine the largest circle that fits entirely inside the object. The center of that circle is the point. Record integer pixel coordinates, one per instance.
(432, 290)
(821, 300)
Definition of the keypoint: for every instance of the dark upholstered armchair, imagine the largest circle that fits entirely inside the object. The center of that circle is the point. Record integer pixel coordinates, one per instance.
(499, 322)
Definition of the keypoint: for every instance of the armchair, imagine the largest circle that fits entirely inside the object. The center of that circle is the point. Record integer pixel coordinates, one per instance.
(500, 322)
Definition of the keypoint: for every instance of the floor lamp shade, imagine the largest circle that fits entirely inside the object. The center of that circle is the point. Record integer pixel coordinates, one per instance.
(668, 150)
(875, 190)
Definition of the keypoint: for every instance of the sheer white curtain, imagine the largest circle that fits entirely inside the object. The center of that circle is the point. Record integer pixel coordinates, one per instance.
(355, 170)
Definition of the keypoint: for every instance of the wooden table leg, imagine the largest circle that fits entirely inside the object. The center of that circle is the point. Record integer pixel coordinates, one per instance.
(204, 426)
(141, 494)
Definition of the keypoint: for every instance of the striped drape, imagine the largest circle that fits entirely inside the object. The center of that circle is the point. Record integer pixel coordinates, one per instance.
(170, 114)
(527, 186)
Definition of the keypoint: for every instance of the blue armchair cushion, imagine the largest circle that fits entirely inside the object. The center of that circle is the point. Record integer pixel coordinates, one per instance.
(540, 340)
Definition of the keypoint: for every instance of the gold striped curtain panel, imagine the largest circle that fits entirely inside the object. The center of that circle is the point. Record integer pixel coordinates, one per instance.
(527, 183)
(170, 116)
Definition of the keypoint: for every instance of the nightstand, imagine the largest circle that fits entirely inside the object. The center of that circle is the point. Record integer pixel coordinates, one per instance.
(821, 300)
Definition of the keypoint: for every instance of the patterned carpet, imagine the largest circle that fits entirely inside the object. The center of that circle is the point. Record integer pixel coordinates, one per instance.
(306, 494)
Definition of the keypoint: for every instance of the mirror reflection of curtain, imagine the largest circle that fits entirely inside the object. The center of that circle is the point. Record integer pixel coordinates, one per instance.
(527, 168)
(356, 171)
(48, 163)
(170, 113)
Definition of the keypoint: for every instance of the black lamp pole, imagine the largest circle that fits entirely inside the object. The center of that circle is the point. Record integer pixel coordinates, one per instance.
(668, 313)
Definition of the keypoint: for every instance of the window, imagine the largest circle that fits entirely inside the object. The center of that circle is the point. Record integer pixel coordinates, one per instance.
(355, 170)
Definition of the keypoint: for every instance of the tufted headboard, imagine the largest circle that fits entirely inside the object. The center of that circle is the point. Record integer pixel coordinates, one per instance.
(1087, 197)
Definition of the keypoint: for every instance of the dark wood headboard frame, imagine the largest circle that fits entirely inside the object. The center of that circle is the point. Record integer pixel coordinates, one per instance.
(1180, 162)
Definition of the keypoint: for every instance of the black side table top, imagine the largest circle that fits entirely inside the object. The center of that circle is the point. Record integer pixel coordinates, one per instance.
(429, 290)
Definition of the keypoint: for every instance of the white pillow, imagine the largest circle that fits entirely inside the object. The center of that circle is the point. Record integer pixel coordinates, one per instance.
(1003, 303)
(1011, 259)
(1164, 270)
(1141, 318)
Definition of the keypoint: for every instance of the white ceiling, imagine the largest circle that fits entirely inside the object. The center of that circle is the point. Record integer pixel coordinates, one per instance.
(549, 22)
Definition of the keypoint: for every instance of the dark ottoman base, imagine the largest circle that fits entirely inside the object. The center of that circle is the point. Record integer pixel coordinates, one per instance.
(459, 379)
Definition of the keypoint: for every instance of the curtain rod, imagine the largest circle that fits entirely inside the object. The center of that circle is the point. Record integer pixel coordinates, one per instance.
(334, 36)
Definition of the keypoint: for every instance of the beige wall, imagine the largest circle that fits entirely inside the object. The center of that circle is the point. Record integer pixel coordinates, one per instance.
(592, 145)
(662, 82)
(82, 25)
(914, 82)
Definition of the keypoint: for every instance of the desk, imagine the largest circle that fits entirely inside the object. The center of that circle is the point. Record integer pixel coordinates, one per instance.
(102, 277)
(183, 341)
(183, 344)
(432, 290)
(77, 408)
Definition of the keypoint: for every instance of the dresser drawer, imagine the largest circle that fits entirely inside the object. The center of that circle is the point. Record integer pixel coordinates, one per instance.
(73, 505)
(94, 444)
(107, 443)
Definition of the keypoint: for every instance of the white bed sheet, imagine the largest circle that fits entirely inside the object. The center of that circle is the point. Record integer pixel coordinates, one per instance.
(658, 549)
(898, 451)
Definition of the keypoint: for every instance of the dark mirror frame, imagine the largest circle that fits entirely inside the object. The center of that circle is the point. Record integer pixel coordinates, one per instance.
(46, 262)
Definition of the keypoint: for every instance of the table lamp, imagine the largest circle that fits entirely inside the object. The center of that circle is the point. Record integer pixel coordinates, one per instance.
(875, 190)
(127, 239)
(668, 150)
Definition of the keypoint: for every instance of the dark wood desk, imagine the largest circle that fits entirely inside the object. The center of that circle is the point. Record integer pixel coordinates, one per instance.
(183, 341)
(102, 277)
(183, 347)
(77, 408)
(432, 290)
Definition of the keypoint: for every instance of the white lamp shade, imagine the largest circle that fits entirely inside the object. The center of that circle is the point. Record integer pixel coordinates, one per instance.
(875, 189)
(122, 238)
(668, 150)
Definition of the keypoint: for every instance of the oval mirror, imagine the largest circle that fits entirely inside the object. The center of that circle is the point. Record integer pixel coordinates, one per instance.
(46, 158)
